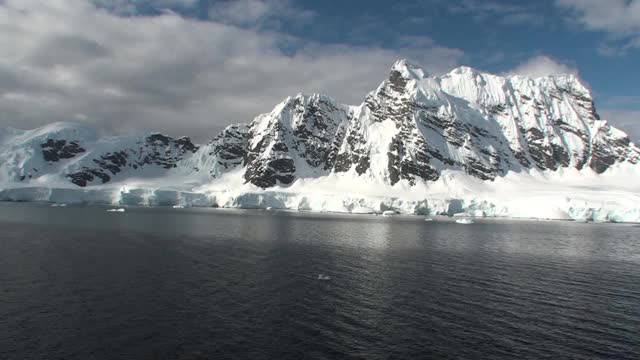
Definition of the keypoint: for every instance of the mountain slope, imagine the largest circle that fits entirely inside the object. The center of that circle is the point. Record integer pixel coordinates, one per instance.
(413, 127)
(417, 133)
(66, 152)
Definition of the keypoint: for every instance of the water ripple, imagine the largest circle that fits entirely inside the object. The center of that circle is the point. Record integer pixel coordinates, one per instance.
(76, 284)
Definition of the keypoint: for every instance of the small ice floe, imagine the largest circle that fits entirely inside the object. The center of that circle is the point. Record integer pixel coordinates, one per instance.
(324, 277)
(269, 208)
(178, 207)
(428, 219)
(465, 221)
(116, 210)
(363, 210)
(388, 213)
(58, 205)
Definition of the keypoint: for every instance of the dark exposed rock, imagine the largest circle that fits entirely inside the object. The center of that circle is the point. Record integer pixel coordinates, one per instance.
(280, 147)
(497, 109)
(54, 150)
(184, 143)
(343, 162)
(113, 162)
(318, 125)
(310, 130)
(408, 157)
(363, 165)
(83, 178)
(230, 147)
(522, 158)
(268, 174)
(354, 153)
(154, 150)
(283, 165)
(560, 155)
(474, 167)
(541, 153)
(158, 139)
(397, 81)
(607, 150)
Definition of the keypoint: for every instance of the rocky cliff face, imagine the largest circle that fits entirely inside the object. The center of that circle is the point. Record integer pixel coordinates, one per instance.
(73, 153)
(299, 138)
(410, 129)
(414, 126)
(155, 150)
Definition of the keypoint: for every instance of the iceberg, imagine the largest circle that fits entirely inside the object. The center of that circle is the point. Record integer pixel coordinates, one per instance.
(465, 221)
(362, 210)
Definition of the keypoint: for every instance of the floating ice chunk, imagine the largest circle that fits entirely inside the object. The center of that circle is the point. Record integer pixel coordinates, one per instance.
(462, 215)
(338, 209)
(428, 219)
(388, 213)
(362, 210)
(324, 277)
(269, 208)
(58, 205)
(464, 221)
(116, 210)
(178, 207)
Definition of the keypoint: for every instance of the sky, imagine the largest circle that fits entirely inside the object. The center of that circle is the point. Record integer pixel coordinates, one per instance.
(192, 67)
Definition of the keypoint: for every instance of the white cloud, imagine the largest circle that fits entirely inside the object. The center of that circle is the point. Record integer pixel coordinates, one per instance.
(258, 13)
(68, 59)
(620, 19)
(505, 13)
(542, 65)
(131, 7)
(241, 11)
(620, 16)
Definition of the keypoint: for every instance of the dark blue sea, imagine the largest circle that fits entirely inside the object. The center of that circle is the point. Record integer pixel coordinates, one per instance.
(80, 283)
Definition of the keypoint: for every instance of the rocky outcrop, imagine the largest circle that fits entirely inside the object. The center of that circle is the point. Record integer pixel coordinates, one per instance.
(299, 138)
(154, 150)
(54, 150)
(229, 148)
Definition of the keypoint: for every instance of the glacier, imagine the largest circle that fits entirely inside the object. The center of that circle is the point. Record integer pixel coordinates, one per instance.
(577, 197)
(466, 142)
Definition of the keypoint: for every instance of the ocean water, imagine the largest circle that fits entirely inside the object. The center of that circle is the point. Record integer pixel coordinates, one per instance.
(78, 282)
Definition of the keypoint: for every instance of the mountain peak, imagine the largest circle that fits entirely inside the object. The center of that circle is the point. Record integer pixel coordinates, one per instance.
(464, 70)
(408, 70)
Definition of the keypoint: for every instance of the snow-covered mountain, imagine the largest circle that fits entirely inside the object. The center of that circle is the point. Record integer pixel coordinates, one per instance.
(413, 127)
(413, 132)
(73, 153)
